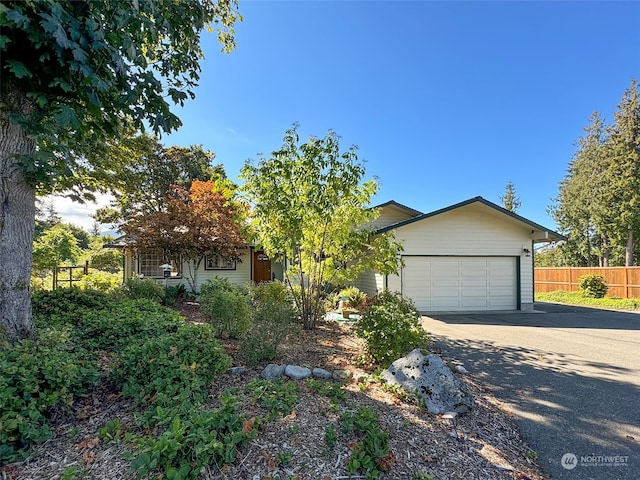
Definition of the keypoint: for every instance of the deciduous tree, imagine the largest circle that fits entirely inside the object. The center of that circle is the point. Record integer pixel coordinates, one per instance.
(204, 220)
(140, 172)
(75, 74)
(309, 209)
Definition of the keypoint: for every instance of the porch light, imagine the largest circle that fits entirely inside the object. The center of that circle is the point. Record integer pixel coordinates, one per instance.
(527, 252)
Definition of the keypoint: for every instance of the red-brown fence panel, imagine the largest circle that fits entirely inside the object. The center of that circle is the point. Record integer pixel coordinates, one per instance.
(623, 282)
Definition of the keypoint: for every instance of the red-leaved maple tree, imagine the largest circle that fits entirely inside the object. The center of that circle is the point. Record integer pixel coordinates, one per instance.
(204, 220)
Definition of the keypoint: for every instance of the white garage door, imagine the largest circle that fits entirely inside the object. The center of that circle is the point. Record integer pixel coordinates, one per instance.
(438, 284)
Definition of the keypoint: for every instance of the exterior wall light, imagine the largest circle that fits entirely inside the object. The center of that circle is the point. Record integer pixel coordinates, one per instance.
(527, 252)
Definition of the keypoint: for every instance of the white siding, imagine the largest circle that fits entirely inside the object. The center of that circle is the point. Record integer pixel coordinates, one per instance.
(370, 282)
(240, 276)
(472, 230)
(390, 215)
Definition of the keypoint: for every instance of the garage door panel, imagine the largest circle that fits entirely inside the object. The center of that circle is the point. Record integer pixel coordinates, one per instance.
(460, 283)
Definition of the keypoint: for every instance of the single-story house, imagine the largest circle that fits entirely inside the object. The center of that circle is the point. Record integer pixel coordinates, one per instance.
(253, 265)
(471, 256)
(474, 255)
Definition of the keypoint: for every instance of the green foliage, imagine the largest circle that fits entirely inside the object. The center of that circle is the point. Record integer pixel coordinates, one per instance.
(99, 322)
(142, 171)
(66, 305)
(55, 246)
(126, 322)
(101, 281)
(38, 375)
(171, 367)
(194, 440)
(272, 319)
(390, 328)
(172, 293)
(597, 202)
(334, 391)
(373, 445)
(227, 306)
(330, 437)
(84, 65)
(577, 298)
(142, 288)
(278, 397)
(510, 201)
(354, 297)
(107, 260)
(593, 286)
(310, 204)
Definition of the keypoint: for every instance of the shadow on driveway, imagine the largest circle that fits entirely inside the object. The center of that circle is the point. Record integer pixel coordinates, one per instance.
(566, 394)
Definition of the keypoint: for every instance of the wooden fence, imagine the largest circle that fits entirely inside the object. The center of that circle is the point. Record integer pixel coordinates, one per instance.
(68, 270)
(623, 282)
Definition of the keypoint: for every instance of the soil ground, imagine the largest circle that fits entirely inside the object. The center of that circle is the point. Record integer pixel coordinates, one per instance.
(422, 446)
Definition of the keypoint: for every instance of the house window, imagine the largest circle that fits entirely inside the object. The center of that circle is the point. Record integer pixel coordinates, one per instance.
(216, 262)
(149, 262)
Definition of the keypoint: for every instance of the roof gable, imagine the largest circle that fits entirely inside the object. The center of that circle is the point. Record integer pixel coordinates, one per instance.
(539, 233)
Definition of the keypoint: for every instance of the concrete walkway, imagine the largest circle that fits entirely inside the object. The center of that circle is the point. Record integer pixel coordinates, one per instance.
(570, 376)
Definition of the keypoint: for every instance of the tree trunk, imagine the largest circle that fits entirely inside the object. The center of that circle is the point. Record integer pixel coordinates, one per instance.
(17, 222)
(628, 257)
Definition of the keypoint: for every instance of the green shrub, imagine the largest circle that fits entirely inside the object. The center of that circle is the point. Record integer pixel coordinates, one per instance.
(272, 319)
(353, 297)
(38, 375)
(173, 293)
(107, 260)
(126, 322)
(101, 281)
(172, 367)
(593, 286)
(142, 288)
(390, 328)
(66, 305)
(227, 307)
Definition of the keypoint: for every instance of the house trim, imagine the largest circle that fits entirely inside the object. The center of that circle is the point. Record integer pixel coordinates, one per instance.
(549, 235)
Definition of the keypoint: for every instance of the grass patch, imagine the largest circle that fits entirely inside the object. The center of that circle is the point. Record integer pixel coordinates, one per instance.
(577, 298)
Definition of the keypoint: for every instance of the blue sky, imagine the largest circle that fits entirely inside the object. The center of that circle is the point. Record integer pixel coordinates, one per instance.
(446, 100)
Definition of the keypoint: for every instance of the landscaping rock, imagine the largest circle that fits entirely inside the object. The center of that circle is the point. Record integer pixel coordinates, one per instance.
(237, 371)
(321, 373)
(461, 369)
(272, 371)
(297, 373)
(432, 380)
(340, 375)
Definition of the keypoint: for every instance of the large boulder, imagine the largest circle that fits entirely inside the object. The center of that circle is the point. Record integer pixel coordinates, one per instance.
(431, 380)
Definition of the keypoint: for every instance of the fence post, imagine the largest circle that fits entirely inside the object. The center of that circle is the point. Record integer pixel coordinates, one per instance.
(626, 282)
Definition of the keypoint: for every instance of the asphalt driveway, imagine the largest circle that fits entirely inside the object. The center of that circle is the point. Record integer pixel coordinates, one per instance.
(570, 376)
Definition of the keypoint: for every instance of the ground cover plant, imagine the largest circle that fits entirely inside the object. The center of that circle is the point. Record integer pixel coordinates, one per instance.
(577, 298)
(166, 406)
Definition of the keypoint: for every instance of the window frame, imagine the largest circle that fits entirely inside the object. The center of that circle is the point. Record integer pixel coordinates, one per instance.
(160, 259)
(231, 265)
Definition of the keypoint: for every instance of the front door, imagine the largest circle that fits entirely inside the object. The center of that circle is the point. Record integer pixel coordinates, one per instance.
(261, 267)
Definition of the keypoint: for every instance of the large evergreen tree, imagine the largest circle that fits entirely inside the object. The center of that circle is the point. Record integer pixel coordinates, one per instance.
(624, 170)
(74, 75)
(510, 200)
(598, 203)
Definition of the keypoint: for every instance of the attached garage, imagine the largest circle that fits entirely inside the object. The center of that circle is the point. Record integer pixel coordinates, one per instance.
(438, 284)
(471, 256)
